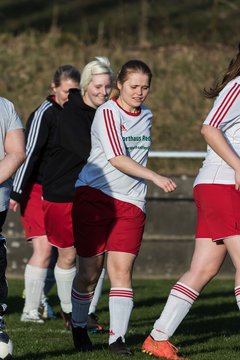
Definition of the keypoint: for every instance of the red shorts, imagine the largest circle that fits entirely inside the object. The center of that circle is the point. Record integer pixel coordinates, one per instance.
(31, 211)
(218, 211)
(58, 223)
(101, 223)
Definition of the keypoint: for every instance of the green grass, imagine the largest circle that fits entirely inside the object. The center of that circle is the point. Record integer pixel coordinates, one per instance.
(210, 331)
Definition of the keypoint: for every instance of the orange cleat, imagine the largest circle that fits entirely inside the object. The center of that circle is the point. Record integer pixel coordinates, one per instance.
(161, 349)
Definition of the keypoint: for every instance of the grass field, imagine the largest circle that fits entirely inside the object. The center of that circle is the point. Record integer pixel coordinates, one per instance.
(210, 331)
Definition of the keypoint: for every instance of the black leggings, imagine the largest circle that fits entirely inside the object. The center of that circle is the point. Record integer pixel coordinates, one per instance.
(3, 260)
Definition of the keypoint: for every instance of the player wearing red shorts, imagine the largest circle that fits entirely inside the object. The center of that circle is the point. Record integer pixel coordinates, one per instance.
(109, 204)
(71, 150)
(27, 187)
(217, 198)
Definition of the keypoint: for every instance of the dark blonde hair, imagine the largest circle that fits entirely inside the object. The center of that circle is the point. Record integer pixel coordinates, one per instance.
(130, 67)
(231, 73)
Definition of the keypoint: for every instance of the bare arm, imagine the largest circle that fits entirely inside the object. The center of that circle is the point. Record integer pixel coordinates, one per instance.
(218, 143)
(15, 154)
(132, 168)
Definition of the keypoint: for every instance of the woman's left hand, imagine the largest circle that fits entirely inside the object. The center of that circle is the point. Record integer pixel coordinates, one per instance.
(166, 184)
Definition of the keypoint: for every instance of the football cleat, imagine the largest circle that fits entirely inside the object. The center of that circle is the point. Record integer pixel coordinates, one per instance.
(81, 340)
(161, 349)
(46, 310)
(66, 317)
(31, 316)
(120, 348)
(93, 326)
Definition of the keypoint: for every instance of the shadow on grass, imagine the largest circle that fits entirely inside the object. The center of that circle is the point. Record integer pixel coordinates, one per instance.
(60, 353)
(16, 303)
(217, 294)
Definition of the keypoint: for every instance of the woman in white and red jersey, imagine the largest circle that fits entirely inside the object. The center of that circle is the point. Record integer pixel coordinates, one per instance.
(109, 204)
(217, 198)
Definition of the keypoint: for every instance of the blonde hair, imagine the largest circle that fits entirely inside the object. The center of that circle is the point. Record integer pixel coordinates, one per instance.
(99, 65)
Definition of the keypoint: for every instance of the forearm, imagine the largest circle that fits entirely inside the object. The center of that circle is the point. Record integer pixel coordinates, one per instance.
(10, 164)
(130, 167)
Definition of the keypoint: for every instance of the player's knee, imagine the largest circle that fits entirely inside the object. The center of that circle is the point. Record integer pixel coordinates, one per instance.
(206, 273)
(66, 261)
(89, 279)
(120, 275)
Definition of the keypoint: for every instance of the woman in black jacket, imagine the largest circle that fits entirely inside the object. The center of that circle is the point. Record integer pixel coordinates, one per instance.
(70, 154)
(27, 187)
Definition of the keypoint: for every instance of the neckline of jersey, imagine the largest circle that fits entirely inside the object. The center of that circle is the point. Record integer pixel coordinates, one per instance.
(127, 112)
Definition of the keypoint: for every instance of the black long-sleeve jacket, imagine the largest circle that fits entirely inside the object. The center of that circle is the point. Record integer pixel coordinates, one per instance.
(73, 145)
(40, 139)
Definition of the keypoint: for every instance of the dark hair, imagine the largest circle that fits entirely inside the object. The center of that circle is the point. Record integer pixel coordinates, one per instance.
(66, 72)
(131, 66)
(231, 73)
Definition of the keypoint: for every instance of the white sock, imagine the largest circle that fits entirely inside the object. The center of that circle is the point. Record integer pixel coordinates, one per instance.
(34, 282)
(237, 294)
(97, 293)
(120, 308)
(64, 279)
(80, 307)
(177, 306)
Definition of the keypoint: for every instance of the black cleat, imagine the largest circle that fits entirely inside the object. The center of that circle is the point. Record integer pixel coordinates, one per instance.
(81, 340)
(93, 326)
(66, 319)
(119, 348)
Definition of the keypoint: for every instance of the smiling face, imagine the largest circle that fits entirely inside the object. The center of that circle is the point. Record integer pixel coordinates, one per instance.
(61, 92)
(98, 90)
(133, 91)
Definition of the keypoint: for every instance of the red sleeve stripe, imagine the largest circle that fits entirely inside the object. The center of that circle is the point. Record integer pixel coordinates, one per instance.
(187, 292)
(112, 132)
(225, 105)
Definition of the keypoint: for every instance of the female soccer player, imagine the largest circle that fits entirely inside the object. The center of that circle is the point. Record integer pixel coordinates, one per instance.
(12, 155)
(71, 150)
(27, 186)
(109, 204)
(217, 198)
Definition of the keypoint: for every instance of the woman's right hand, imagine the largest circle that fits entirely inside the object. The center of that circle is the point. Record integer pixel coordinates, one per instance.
(165, 183)
(13, 205)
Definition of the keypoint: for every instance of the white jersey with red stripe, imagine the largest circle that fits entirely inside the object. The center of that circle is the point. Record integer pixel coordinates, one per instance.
(225, 115)
(116, 132)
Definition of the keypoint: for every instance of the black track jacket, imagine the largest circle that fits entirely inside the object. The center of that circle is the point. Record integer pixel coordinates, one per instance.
(40, 139)
(73, 145)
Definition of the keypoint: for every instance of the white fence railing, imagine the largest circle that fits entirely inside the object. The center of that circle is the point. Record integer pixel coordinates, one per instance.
(177, 154)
